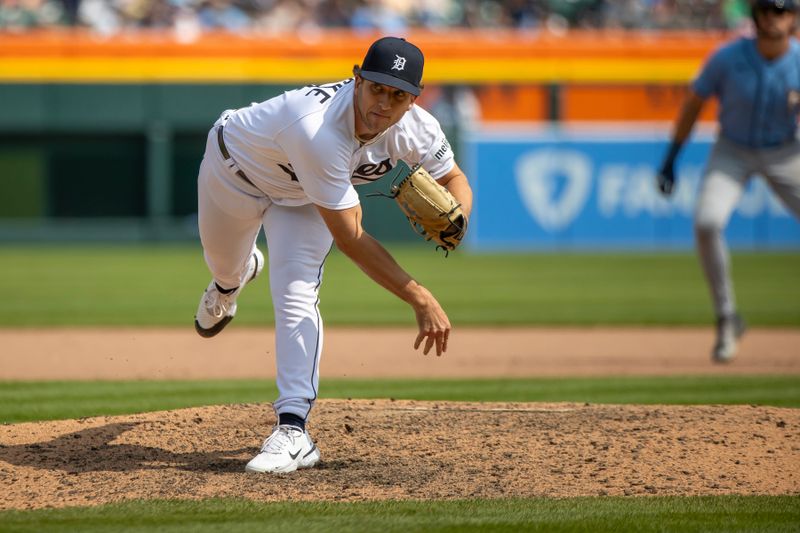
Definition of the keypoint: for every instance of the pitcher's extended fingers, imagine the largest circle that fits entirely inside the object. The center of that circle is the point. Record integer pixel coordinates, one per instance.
(445, 337)
(429, 343)
(417, 342)
(439, 344)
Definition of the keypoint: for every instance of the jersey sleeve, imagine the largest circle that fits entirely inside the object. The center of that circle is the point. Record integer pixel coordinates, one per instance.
(709, 80)
(430, 145)
(439, 160)
(321, 164)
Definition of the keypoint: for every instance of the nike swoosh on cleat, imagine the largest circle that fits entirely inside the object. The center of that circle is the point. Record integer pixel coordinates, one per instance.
(295, 454)
(314, 447)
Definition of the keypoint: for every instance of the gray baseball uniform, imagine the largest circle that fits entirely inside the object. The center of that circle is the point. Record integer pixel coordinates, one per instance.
(758, 121)
(757, 83)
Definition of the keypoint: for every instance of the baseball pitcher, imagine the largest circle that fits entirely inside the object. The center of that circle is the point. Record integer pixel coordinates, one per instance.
(289, 165)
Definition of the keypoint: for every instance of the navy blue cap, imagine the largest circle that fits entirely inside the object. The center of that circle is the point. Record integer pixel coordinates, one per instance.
(394, 62)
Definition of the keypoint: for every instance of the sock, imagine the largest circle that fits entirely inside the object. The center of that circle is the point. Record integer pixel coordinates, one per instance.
(291, 419)
(224, 291)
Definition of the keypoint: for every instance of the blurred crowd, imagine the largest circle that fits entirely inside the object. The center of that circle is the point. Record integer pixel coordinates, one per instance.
(191, 16)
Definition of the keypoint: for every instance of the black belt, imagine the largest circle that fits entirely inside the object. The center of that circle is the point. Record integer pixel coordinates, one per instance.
(227, 156)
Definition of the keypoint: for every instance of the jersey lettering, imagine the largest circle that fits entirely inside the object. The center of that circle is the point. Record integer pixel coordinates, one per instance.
(326, 91)
(289, 170)
(371, 169)
(442, 150)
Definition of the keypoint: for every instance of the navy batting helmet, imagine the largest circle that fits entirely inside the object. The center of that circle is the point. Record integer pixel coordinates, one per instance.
(776, 5)
(788, 5)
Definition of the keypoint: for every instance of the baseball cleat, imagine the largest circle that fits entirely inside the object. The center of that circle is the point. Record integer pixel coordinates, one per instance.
(729, 330)
(216, 309)
(286, 450)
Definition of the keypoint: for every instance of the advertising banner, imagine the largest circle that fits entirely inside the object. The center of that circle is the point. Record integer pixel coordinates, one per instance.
(594, 189)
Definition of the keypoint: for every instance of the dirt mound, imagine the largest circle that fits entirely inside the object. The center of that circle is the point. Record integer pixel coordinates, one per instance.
(408, 450)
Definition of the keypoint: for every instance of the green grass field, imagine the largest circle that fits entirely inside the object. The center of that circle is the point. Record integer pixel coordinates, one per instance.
(746, 514)
(160, 285)
(51, 400)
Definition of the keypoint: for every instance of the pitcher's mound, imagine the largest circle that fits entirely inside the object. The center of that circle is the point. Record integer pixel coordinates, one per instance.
(407, 450)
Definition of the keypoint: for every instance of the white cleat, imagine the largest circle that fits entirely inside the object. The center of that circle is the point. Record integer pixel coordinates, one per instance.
(729, 330)
(216, 310)
(286, 450)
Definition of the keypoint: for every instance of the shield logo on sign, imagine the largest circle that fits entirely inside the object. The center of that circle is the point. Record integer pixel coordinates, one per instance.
(553, 185)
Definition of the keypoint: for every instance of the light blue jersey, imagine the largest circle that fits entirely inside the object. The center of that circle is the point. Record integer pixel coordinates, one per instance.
(758, 99)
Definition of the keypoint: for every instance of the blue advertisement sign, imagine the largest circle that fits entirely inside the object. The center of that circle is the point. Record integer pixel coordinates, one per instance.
(595, 189)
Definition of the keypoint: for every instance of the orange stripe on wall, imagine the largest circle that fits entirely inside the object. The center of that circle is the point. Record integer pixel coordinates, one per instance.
(650, 102)
(510, 103)
(333, 43)
(478, 57)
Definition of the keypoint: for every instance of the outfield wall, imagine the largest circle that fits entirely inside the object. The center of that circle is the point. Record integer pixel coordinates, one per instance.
(101, 137)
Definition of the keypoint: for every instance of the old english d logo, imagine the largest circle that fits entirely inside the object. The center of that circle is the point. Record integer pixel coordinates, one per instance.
(539, 174)
(399, 63)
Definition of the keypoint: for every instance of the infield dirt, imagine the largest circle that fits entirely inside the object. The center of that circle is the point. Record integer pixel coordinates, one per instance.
(408, 450)
(403, 449)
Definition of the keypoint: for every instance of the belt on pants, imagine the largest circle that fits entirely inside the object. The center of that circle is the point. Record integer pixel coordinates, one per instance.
(227, 156)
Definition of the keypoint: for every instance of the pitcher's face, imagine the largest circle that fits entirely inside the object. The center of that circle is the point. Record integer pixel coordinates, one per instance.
(378, 107)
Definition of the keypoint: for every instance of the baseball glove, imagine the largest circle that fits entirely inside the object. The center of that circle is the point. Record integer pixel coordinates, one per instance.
(432, 210)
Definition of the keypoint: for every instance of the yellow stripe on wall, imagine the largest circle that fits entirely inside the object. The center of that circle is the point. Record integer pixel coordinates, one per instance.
(227, 70)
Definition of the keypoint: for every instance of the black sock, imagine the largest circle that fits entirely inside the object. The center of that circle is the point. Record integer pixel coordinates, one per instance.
(224, 291)
(291, 419)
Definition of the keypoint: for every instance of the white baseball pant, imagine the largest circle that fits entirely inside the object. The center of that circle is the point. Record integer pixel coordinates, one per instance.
(230, 215)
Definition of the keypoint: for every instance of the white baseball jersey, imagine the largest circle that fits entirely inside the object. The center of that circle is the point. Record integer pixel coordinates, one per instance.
(300, 147)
